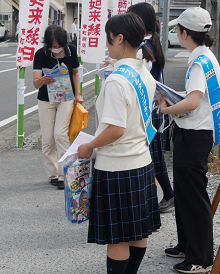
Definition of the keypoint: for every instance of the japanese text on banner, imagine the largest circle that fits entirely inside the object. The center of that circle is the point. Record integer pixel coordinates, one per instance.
(120, 6)
(141, 1)
(33, 20)
(94, 17)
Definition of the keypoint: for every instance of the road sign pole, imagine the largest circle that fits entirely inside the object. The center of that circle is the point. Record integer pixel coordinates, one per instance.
(97, 80)
(78, 31)
(80, 72)
(20, 108)
(166, 15)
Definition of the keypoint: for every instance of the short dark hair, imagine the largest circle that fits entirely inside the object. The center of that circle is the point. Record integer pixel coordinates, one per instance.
(75, 18)
(54, 32)
(201, 38)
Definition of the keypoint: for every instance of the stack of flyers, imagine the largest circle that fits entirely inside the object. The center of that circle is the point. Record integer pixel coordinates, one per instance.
(61, 89)
(171, 96)
(77, 189)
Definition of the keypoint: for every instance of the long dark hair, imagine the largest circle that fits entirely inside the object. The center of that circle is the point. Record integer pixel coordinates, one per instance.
(132, 28)
(201, 38)
(148, 15)
(54, 32)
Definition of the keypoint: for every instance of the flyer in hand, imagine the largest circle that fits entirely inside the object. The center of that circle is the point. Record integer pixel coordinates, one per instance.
(61, 90)
(171, 96)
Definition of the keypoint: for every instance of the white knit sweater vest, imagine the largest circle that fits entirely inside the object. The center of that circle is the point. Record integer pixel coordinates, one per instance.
(131, 150)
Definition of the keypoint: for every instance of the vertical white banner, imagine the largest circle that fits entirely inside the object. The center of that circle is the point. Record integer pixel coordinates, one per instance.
(33, 20)
(140, 1)
(93, 37)
(120, 6)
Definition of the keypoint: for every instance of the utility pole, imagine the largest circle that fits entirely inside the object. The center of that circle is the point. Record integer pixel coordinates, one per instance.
(166, 15)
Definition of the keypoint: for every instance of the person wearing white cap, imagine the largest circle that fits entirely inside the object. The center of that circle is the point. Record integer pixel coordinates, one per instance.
(193, 140)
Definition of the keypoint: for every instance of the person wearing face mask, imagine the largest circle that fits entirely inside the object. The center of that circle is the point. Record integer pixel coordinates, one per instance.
(55, 117)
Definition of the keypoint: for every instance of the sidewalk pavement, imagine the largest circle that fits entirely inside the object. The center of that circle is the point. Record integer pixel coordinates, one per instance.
(35, 234)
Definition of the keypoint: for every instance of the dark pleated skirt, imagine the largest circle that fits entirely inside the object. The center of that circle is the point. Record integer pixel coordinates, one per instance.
(124, 206)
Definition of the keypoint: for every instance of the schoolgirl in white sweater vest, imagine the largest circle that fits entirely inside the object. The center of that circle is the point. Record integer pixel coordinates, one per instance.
(124, 206)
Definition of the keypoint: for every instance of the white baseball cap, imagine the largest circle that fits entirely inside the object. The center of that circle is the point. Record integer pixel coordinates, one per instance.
(196, 19)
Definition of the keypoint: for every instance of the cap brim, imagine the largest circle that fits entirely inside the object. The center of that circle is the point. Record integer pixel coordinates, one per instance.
(173, 22)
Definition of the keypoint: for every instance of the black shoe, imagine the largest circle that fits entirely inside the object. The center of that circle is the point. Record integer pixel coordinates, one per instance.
(60, 185)
(185, 267)
(54, 181)
(165, 206)
(174, 252)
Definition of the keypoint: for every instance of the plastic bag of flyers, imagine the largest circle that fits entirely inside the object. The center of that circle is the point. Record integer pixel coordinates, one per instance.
(78, 178)
(61, 90)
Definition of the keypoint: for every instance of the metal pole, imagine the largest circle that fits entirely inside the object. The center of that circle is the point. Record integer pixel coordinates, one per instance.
(20, 108)
(17, 106)
(203, 4)
(166, 15)
(81, 77)
(80, 72)
(97, 80)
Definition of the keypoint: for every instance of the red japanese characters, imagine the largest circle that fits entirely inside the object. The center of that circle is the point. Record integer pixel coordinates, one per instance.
(29, 37)
(92, 31)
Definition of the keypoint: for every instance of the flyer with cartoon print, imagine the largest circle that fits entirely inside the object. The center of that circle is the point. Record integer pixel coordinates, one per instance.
(78, 181)
(61, 90)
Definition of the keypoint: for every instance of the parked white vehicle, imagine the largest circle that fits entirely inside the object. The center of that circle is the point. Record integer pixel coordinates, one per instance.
(3, 32)
(172, 38)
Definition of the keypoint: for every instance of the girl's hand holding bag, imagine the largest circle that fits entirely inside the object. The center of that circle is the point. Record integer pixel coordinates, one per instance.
(78, 121)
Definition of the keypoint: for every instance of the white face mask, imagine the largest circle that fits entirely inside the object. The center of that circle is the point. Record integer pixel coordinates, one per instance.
(56, 50)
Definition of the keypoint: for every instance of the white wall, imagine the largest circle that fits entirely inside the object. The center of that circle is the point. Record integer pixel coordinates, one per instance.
(69, 17)
(6, 8)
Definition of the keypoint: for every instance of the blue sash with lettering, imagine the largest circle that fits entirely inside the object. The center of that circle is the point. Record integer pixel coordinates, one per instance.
(213, 91)
(134, 79)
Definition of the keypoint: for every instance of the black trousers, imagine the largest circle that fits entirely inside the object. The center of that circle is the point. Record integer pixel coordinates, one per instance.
(192, 204)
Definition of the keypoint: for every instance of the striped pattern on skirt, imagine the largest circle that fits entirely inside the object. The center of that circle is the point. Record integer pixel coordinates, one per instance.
(124, 206)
